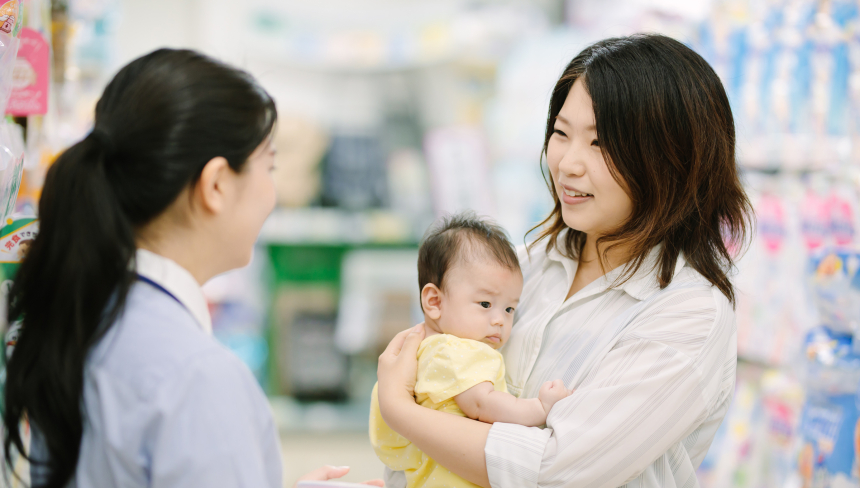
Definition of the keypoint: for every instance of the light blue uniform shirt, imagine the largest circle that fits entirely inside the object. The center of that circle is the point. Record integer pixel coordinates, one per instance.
(165, 404)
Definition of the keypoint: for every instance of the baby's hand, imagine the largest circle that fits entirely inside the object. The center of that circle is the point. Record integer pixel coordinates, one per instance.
(551, 392)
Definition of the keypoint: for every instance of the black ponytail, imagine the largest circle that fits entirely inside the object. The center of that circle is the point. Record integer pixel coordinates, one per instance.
(158, 123)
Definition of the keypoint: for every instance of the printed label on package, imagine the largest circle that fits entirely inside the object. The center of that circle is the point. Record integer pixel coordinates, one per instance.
(15, 244)
(10, 17)
(30, 76)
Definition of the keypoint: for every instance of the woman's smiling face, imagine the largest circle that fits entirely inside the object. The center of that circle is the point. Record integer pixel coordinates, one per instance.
(592, 201)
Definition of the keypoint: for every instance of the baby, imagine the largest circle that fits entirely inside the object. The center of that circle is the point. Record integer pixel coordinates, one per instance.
(470, 283)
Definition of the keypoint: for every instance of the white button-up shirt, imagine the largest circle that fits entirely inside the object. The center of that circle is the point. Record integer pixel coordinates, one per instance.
(653, 372)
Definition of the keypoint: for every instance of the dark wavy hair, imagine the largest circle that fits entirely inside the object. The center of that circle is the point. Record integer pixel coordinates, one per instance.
(667, 134)
(161, 119)
(458, 237)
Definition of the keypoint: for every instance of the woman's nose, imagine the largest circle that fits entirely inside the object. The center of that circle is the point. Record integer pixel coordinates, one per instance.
(572, 163)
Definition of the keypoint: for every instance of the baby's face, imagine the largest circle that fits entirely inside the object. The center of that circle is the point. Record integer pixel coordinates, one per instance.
(479, 300)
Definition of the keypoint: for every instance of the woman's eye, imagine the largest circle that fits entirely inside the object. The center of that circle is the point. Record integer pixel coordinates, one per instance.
(485, 304)
(595, 143)
(556, 131)
(510, 309)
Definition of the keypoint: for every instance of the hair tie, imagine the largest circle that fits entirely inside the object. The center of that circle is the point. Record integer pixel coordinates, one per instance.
(104, 140)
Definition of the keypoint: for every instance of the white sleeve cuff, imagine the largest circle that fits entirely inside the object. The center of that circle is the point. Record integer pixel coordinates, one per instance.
(514, 454)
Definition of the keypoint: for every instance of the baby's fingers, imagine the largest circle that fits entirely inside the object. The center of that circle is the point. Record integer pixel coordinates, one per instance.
(554, 385)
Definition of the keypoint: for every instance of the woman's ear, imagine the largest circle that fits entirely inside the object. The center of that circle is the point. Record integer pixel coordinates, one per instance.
(431, 301)
(210, 192)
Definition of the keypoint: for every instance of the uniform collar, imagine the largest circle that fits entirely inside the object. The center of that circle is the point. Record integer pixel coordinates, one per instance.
(642, 285)
(178, 282)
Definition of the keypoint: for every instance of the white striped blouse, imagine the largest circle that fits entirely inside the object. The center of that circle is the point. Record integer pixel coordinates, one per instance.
(653, 372)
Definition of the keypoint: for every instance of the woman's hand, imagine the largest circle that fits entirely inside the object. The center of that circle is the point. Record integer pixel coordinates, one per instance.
(398, 370)
(453, 441)
(326, 473)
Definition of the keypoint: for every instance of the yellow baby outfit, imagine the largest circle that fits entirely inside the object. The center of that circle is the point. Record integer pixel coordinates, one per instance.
(447, 366)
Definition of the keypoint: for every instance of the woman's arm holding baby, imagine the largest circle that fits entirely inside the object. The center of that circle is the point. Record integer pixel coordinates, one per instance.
(482, 402)
(465, 457)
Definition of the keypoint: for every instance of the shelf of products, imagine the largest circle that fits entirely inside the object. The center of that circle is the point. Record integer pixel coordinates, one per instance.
(390, 115)
(335, 227)
(789, 70)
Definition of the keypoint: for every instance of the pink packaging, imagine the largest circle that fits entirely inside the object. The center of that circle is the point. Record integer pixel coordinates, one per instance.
(30, 76)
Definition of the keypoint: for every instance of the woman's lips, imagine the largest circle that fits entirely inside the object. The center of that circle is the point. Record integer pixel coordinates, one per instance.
(573, 196)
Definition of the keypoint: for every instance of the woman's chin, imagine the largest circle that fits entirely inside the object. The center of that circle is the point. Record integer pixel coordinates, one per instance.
(575, 222)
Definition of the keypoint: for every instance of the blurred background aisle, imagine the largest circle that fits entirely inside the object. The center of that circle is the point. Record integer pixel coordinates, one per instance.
(395, 112)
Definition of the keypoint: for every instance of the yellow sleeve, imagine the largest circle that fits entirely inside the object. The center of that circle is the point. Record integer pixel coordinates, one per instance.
(391, 448)
(451, 365)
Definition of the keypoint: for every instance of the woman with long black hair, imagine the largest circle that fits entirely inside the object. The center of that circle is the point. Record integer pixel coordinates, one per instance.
(115, 367)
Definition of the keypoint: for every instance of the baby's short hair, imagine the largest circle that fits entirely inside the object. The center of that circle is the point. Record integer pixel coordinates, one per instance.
(458, 237)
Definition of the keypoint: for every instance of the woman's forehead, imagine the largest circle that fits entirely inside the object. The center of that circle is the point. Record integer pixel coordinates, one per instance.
(577, 109)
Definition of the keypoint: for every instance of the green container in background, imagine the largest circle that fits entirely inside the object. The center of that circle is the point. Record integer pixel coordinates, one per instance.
(305, 284)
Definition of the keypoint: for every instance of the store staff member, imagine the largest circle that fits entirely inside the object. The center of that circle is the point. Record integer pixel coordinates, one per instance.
(116, 369)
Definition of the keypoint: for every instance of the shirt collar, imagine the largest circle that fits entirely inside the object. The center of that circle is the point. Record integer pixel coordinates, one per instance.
(640, 286)
(553, 253)
(178, 282)
(644, 282)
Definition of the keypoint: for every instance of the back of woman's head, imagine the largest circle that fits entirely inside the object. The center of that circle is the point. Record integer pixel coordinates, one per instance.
(161, 119)
(666, 132)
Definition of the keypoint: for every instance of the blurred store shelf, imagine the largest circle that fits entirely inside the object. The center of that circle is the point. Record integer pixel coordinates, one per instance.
(325, 261)
(322, 226)
(793, 153)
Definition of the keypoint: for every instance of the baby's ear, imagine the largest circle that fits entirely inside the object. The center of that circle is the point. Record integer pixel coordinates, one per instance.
(431, 301)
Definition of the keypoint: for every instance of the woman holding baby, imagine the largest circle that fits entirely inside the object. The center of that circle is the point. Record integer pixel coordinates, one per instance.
(626, 295)
(624, 298)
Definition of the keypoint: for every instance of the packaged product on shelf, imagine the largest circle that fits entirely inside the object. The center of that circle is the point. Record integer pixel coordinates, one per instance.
(829, 426)
(782, 401)
(10, 27)
(756, 444)
(836, 289)
(458, 162)
(11, 138)
(354, 173)
(30, 75)
(853, 102)
(774, 310)
(15, 239)
(301, 146)
(814, 220)
(732, 458)
(11, 165)
(842, 213)
(788, 68)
